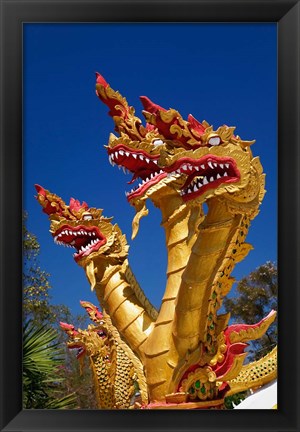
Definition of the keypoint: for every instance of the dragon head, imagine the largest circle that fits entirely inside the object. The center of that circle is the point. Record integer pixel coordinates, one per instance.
(92, 235)
(137, 150)
(222, 167)
(92, 341)
(185, 158)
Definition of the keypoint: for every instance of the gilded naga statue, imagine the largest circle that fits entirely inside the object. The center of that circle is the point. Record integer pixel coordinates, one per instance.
(117, 371)
(191, 357)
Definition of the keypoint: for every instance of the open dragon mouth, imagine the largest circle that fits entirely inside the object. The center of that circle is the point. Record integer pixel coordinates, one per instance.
(83, 238)
(80, 349)
(205, 173)
(142, 165)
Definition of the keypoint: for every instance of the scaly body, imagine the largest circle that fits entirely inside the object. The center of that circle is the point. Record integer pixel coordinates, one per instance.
(116, 369)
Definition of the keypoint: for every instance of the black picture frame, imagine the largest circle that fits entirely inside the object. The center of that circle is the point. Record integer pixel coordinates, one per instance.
(13, 14)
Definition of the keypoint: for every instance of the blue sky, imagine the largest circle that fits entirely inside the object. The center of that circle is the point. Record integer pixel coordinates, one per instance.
(223, 73)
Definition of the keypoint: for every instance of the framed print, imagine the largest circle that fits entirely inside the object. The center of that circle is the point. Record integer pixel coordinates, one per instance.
(230, 73)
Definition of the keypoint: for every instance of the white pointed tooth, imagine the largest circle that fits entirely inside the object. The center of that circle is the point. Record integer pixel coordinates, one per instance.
(199, 185)
(210, 164)
(55, 238)
(161, 172)
(205, 180)
(202, 166)
(59, 235)
(184, 167)
(147, 160)
(124, 170)
(195, 188)
(70, 232)
(93, 233)
(215, 164)
(90, 234)
(116, 155)
(75, 233)
(147, 179)
(196, 168)
(155, 161)
(113, 164)
(211, 179)
(218, 176)
(222, 166)
(190, 167)
(127, 153)
(109, 159)
(189, 191)
(141, 157)
(121, 152)
(112, 156)
(140, 184)
(225, 174)
(178, 171)
(134, 155)
(227, 165)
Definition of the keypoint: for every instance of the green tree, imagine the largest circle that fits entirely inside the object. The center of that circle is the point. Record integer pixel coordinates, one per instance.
(43, 358)
(256, 296)
(36, 284)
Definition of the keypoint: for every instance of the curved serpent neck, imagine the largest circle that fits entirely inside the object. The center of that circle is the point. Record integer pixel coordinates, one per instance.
(104, 388)
(116, 295)
(181, 226)
(211, 262)
(115, 368)
(207, 260)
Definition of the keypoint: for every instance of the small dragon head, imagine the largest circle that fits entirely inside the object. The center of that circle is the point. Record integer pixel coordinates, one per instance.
(85, 229)
(92, 341)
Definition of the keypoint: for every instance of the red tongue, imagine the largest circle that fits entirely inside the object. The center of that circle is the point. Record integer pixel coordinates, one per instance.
(134, 177)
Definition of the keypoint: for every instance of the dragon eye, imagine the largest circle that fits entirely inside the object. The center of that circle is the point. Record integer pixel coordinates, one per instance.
(158, 142)
(214, 141)
(87, 216)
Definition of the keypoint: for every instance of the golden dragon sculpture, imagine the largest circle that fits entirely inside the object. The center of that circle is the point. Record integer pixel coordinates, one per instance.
(117, 371)
(201, 165)
(102, 250)
(189, 355)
